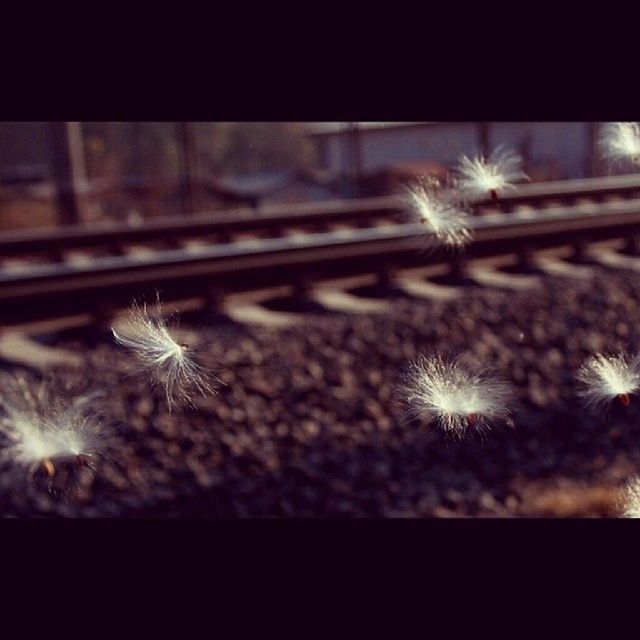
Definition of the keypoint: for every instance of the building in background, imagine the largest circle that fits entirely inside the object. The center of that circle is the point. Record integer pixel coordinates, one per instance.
(54, 173)
(551, 150)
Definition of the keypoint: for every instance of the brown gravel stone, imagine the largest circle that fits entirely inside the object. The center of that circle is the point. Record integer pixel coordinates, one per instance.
(307, 422)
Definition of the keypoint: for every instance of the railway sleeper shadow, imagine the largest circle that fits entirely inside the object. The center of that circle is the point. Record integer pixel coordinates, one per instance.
(326, 299)
(296, 303)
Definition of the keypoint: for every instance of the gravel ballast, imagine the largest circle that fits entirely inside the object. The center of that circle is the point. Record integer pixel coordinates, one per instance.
(309, 421)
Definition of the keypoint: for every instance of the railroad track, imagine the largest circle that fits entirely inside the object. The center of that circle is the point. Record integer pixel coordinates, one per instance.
(101, 283)
(223, 227)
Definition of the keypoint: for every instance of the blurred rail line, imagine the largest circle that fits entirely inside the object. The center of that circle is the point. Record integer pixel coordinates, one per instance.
(373, 240)
(316, 216)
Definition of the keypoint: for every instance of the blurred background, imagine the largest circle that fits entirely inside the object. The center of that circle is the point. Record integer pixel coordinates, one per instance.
(76, 172)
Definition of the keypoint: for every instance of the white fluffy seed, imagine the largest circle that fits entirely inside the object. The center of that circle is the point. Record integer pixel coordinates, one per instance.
(607, 377)
(42, 430)
(441, 211)
(620, 141)
(632, 499)
(455, 394)
(168, 363)
(482, 177)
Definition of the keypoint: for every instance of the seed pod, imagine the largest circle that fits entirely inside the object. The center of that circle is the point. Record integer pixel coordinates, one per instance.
(482, 178)
(605, 378)
(455, 394)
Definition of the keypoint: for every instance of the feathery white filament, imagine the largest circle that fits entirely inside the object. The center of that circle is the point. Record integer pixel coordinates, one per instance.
(440, 212)
(632, 499)
(40, 429)
(621, 141)
(608, 377)
(170, 364)
(455, 394)
(480, 177)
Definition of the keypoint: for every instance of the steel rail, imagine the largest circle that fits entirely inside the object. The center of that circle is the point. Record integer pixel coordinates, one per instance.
(53, 289)
(23, 242)
(272, 218)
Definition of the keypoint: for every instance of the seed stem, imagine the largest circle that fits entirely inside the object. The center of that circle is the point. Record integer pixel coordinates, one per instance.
(624, 399)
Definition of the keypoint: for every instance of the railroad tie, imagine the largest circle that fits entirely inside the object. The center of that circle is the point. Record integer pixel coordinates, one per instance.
(19, 348)
(617, 260)
(492, 277)
(559, 267)
(255, 313)
(248, 308)
(340, 300)
(419, 288)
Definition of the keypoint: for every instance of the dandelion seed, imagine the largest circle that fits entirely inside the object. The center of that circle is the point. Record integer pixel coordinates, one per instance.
(481, 177)
(171, 365)
(44, 433)
(606, 378)
(620, 141)
(455, 394)
(441, 212)
(632, 499)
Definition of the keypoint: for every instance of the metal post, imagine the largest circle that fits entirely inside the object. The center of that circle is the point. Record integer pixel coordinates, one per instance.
(356, 156)
(484, 136)
(188, 167)
(592, 164)
(344, 147)
(69, 169)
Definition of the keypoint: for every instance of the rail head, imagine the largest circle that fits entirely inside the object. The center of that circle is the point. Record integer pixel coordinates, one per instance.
(490, 234)
(66, 289)
(111, 234)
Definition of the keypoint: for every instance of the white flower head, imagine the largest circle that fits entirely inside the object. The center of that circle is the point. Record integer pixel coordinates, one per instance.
(620, 141)
(481, 177)
(607, 377)
(170, 365)
(441, 211)
(632, 499)
(43, 431)
(456, 394)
